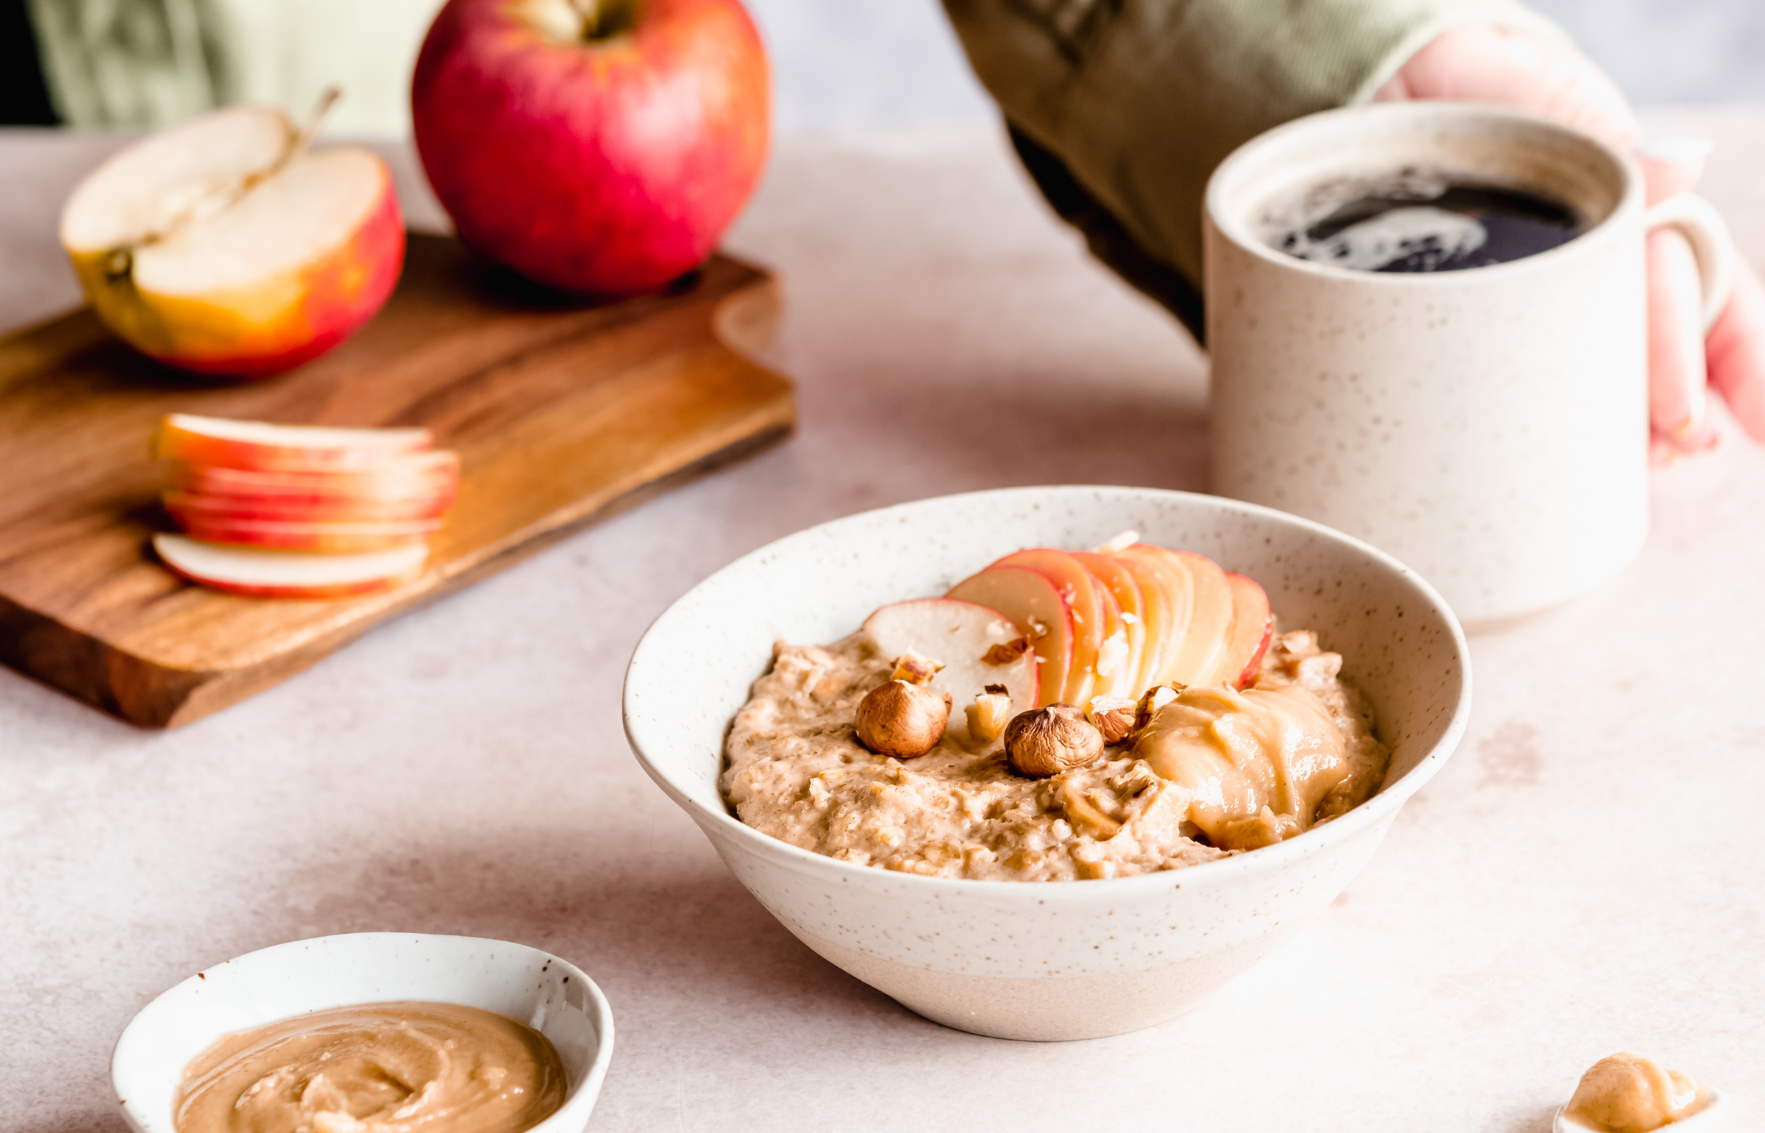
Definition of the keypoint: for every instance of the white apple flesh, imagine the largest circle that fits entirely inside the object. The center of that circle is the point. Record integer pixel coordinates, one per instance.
(289, 574)
(960, 636)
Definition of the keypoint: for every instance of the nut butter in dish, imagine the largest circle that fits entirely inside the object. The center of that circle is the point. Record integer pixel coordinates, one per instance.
(1627, 1093)
(375, 1068)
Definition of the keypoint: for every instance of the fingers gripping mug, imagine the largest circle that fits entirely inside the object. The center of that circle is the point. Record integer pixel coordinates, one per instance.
(1487, 426)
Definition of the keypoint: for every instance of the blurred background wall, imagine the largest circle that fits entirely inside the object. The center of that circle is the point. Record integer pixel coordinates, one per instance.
(138, 63)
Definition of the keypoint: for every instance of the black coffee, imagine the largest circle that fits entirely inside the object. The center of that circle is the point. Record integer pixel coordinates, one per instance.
(1418, 223)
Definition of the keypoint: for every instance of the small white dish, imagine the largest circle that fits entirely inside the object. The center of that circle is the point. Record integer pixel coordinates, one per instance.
(549, 994)
(1712, 1117)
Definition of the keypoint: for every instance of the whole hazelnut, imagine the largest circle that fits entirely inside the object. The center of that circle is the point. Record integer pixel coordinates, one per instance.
(902, 719)
(1046, 741)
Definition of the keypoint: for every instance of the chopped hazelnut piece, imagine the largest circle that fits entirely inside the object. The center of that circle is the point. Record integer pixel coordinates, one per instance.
(1046, 741)
(1114, 716)
(1007, 652)
(989, 713)
(1121, 542)
(902, 719)
(1155, 698)
(914, 669)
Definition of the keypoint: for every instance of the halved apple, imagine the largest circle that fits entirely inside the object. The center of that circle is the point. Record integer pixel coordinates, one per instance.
(223, 246)
(1252, 626)
(1084, 597)
(969, 641)
(1036, 607)
(289, 574)
(262, 446)
(323, 538)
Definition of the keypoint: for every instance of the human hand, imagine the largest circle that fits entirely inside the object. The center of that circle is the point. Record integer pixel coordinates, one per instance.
(1482, 63)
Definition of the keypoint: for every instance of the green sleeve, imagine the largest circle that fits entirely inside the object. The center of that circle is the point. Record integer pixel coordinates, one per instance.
(1122, 108)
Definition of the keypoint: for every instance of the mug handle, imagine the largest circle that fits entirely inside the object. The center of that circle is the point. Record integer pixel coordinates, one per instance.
(1703, 227)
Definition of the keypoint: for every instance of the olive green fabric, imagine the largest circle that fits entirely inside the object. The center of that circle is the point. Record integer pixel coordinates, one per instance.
(1122, 108)
(126, 64)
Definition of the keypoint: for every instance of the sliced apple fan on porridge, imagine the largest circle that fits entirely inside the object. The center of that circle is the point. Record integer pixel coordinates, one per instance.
(1059, 715)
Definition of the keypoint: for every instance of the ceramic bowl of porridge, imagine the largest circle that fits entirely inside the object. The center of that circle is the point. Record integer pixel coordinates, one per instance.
(989, 893)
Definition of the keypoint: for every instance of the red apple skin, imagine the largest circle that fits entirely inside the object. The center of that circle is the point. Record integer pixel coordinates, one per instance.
(322, 538)
(327, 509)
(399, 479)
(605, 167)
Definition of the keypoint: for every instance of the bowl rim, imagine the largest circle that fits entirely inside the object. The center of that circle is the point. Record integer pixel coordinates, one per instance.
(1380, 808)
(569, 1117)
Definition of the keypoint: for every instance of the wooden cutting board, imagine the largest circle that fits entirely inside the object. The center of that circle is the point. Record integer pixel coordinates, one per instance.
(561, 414)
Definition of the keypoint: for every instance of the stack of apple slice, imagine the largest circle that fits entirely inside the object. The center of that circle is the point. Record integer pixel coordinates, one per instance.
(1116, 622)
(297, 511)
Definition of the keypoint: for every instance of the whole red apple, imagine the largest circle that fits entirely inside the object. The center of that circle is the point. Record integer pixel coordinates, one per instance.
(593, 146)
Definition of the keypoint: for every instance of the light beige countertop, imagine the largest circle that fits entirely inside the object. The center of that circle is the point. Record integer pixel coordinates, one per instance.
(1587, 875)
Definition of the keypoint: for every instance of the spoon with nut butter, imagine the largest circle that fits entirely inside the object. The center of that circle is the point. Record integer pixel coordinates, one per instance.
(1627, 1093)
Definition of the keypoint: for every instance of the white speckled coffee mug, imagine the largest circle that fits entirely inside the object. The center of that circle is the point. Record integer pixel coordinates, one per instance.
(1488, 427)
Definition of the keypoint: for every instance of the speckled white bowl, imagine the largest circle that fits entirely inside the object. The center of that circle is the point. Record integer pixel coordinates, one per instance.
(1063, 960)
(549, 994)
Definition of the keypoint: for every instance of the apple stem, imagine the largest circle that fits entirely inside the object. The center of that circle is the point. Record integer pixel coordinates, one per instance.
(604, 19)
(304, 136)
(121, 261)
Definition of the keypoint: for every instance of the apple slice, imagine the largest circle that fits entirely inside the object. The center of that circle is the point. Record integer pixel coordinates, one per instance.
(1124, 645)
(1155, 614)
(400, 477)
(1252, 626)
(1035, 606)
(334, 509)
(1085, 599)
(261, 446)
(289, 574)
(223, 246)
(1161, 570)
(1210, 622)
(963, 638)
(324, 538)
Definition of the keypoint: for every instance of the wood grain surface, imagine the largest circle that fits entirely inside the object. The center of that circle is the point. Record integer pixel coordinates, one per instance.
(561, 414)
